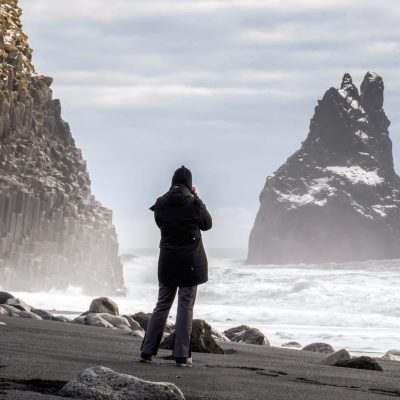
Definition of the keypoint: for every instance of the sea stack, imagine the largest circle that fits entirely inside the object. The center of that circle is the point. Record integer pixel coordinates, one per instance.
(53, 233)
(337, 198)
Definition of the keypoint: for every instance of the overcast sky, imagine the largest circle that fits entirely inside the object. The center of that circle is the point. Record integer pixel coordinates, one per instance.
(225, 87)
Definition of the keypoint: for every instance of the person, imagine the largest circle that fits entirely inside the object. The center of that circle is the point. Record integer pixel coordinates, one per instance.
(182, 264)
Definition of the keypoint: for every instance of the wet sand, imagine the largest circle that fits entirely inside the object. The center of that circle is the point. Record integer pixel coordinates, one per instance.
(38, 357)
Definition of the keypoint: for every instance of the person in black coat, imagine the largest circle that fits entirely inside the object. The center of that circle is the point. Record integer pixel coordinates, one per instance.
(182, 264)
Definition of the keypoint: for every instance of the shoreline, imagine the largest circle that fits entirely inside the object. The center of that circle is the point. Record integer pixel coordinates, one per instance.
(49, 351)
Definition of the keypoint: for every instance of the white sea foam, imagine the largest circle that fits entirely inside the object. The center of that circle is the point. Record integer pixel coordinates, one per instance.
(352, 305)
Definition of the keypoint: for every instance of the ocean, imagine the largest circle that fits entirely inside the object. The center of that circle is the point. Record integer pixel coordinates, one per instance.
(352, 305)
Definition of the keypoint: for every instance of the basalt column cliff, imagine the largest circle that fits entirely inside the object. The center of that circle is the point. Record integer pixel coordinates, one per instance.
(337, 198)
(53, 233)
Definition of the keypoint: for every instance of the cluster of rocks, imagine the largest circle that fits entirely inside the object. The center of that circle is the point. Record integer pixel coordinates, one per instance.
(104, 313)
(342, 358)
(337, 198)
(53, 232)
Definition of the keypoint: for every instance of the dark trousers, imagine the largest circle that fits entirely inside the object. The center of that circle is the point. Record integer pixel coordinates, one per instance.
(183, 324)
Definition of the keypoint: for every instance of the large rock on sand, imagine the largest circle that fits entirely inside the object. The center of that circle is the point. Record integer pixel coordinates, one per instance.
(4, 296)
(3, 311)
(100, 383)
(202, 340)
(363, 362)
(142, 318)
(246, 334)
(103, 305)
(324, 348)
(341, 355)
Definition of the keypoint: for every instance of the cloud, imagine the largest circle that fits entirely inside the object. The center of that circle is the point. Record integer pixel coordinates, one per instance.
(227, 87)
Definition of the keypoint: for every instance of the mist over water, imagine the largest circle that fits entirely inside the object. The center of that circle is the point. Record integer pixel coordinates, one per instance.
(351, 305)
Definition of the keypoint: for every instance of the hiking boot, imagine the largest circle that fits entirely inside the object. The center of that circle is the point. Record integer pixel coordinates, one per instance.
(146, 358)
(184, 362)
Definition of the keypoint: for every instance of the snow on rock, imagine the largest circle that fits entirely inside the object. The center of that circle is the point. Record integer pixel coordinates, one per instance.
(356, 174)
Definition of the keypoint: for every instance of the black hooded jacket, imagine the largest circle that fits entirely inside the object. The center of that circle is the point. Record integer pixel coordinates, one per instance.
(181, 216)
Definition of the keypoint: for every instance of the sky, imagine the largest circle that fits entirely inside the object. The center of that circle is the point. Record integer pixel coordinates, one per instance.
(226, 88)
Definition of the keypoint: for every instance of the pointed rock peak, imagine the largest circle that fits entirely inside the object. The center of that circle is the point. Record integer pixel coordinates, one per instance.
(346, 81)
(347, 88)
(372, 88)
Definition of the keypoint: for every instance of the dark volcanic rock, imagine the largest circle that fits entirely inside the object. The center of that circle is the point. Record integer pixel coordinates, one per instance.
(202, 340)
(363, 362)
(142, 318)
(324, 348)
(53, 232)
(337, 198)
(245, 334)
(4, 296)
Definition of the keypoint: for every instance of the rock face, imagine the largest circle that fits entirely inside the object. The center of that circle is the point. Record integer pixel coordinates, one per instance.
(52, 232)
(100, 383)
(337, 198)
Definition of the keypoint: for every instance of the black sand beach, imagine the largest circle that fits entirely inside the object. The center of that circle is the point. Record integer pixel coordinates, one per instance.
(38, 357)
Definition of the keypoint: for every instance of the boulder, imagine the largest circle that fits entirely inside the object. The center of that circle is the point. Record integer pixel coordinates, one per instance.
(114, 320)
(144, 318)
(4, 296)
(395, 352)
(293, 345)
(363, 362)
(324, 348)
(390, 357)
(3, 311)
(202, 340)
(96, 320)
(103, 305)
(218, 336)
(18, 303)
(79, 320)
(43, 314)
(246, 334)
(341, 355)
(12, 311)
(134, 325)
(100, 383)
(28, 314)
